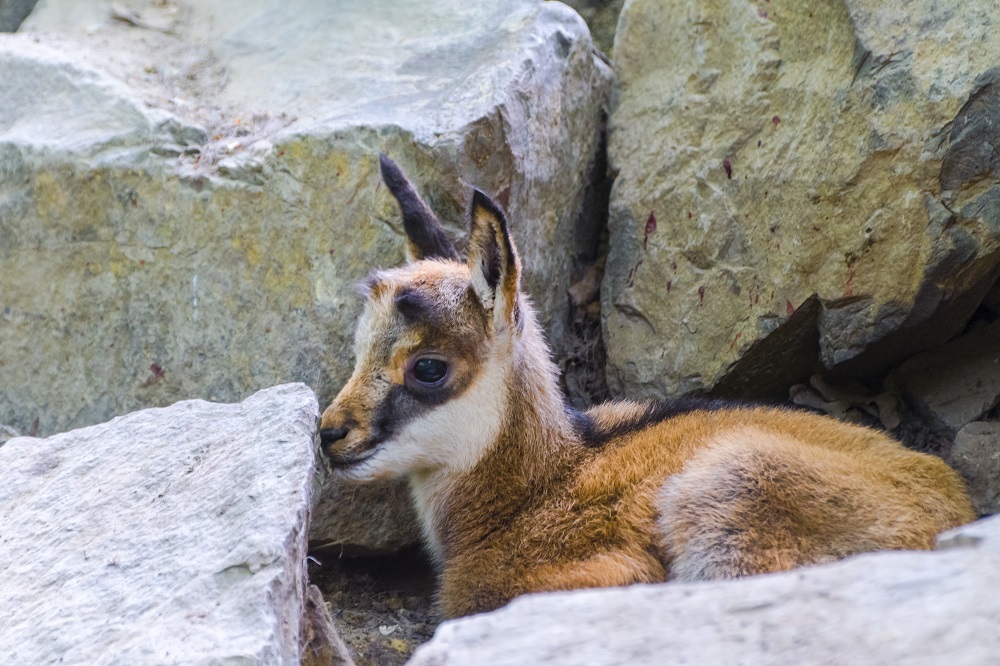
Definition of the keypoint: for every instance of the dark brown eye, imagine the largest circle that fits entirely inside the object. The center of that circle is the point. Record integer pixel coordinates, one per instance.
(430, 371)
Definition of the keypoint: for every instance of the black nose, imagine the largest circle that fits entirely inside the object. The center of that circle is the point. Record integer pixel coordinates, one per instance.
(328, 436)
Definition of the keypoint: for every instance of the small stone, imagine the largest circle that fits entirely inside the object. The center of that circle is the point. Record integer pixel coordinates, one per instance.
(956, 383)
(976, 455)
(364, 520)
(321, 644)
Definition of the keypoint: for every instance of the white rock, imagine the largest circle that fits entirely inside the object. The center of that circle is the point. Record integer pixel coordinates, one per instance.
(167, 536)
(883, 608)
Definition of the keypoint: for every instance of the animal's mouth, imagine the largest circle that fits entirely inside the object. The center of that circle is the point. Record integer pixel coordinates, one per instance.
(346, 461)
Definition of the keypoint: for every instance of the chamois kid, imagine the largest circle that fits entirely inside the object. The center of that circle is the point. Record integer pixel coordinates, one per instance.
(516, 492)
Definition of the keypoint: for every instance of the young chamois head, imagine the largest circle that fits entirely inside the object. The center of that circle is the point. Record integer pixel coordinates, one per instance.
(433, 348)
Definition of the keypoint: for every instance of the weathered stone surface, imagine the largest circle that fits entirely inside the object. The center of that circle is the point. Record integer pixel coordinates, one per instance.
(602, 18)
(361, 520)
(957, 383)
(173, 535)
(770, 152)
(322, 645)
(189, 191)
(883, 608)
(7, 433)
(976, 455)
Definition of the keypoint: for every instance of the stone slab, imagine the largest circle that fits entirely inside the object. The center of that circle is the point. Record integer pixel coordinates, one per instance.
(189, 191)
(173, 535)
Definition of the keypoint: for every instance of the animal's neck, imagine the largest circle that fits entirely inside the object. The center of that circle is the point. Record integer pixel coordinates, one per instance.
(531, 447)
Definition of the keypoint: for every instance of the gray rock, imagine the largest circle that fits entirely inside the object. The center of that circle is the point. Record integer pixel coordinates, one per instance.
(174, 535)
(976, 455)
(7, 433)
(957, 383)
(602, 18)
(883, 608)
(820, 174)
(322, 645)
(13, 12)
(364, 520)
(189, 191)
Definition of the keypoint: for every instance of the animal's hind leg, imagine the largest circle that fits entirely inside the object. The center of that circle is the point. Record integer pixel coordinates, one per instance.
(761, 503)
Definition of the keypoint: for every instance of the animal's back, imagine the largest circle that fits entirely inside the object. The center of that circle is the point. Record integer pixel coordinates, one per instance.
(750, 490)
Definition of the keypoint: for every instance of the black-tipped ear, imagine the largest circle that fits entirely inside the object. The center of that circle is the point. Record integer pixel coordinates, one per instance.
(493, 262)
(426, 238)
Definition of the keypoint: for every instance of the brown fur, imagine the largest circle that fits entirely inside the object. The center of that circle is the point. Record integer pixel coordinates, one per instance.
(517, 494)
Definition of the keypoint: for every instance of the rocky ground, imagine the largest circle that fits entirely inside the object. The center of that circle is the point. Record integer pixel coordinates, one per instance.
(381, 606)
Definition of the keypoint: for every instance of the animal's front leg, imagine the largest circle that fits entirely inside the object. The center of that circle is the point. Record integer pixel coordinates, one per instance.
(610, 568)
(477, 590)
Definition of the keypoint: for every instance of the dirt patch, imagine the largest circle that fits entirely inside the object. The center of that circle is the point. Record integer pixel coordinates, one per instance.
(381, 606)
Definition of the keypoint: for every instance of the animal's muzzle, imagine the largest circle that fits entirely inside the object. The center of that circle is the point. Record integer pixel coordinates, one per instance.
(330, 436)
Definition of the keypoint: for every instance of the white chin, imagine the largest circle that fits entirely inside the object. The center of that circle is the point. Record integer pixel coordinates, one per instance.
(352, 474)
(370, 468)
(358, 471)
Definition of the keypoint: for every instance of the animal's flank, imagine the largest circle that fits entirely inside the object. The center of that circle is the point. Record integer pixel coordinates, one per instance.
(516, 492)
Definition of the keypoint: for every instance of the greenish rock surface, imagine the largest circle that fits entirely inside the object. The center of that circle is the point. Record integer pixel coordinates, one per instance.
(798, 185)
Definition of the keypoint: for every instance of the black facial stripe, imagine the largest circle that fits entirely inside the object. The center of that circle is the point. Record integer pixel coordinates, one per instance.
(402, 405)
(592, 435)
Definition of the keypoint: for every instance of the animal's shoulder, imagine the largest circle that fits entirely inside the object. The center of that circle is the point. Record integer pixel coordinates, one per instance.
(614, 420)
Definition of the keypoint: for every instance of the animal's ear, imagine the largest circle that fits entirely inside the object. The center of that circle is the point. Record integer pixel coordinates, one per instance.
(493, 262)
(425, 237)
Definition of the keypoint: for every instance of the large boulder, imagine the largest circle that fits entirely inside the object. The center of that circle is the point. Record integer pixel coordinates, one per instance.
(190, 191)
(799, 185)
(173, 535)
(881, 608)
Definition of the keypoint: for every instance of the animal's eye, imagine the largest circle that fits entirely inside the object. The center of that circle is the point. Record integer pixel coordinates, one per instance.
(430, 371)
